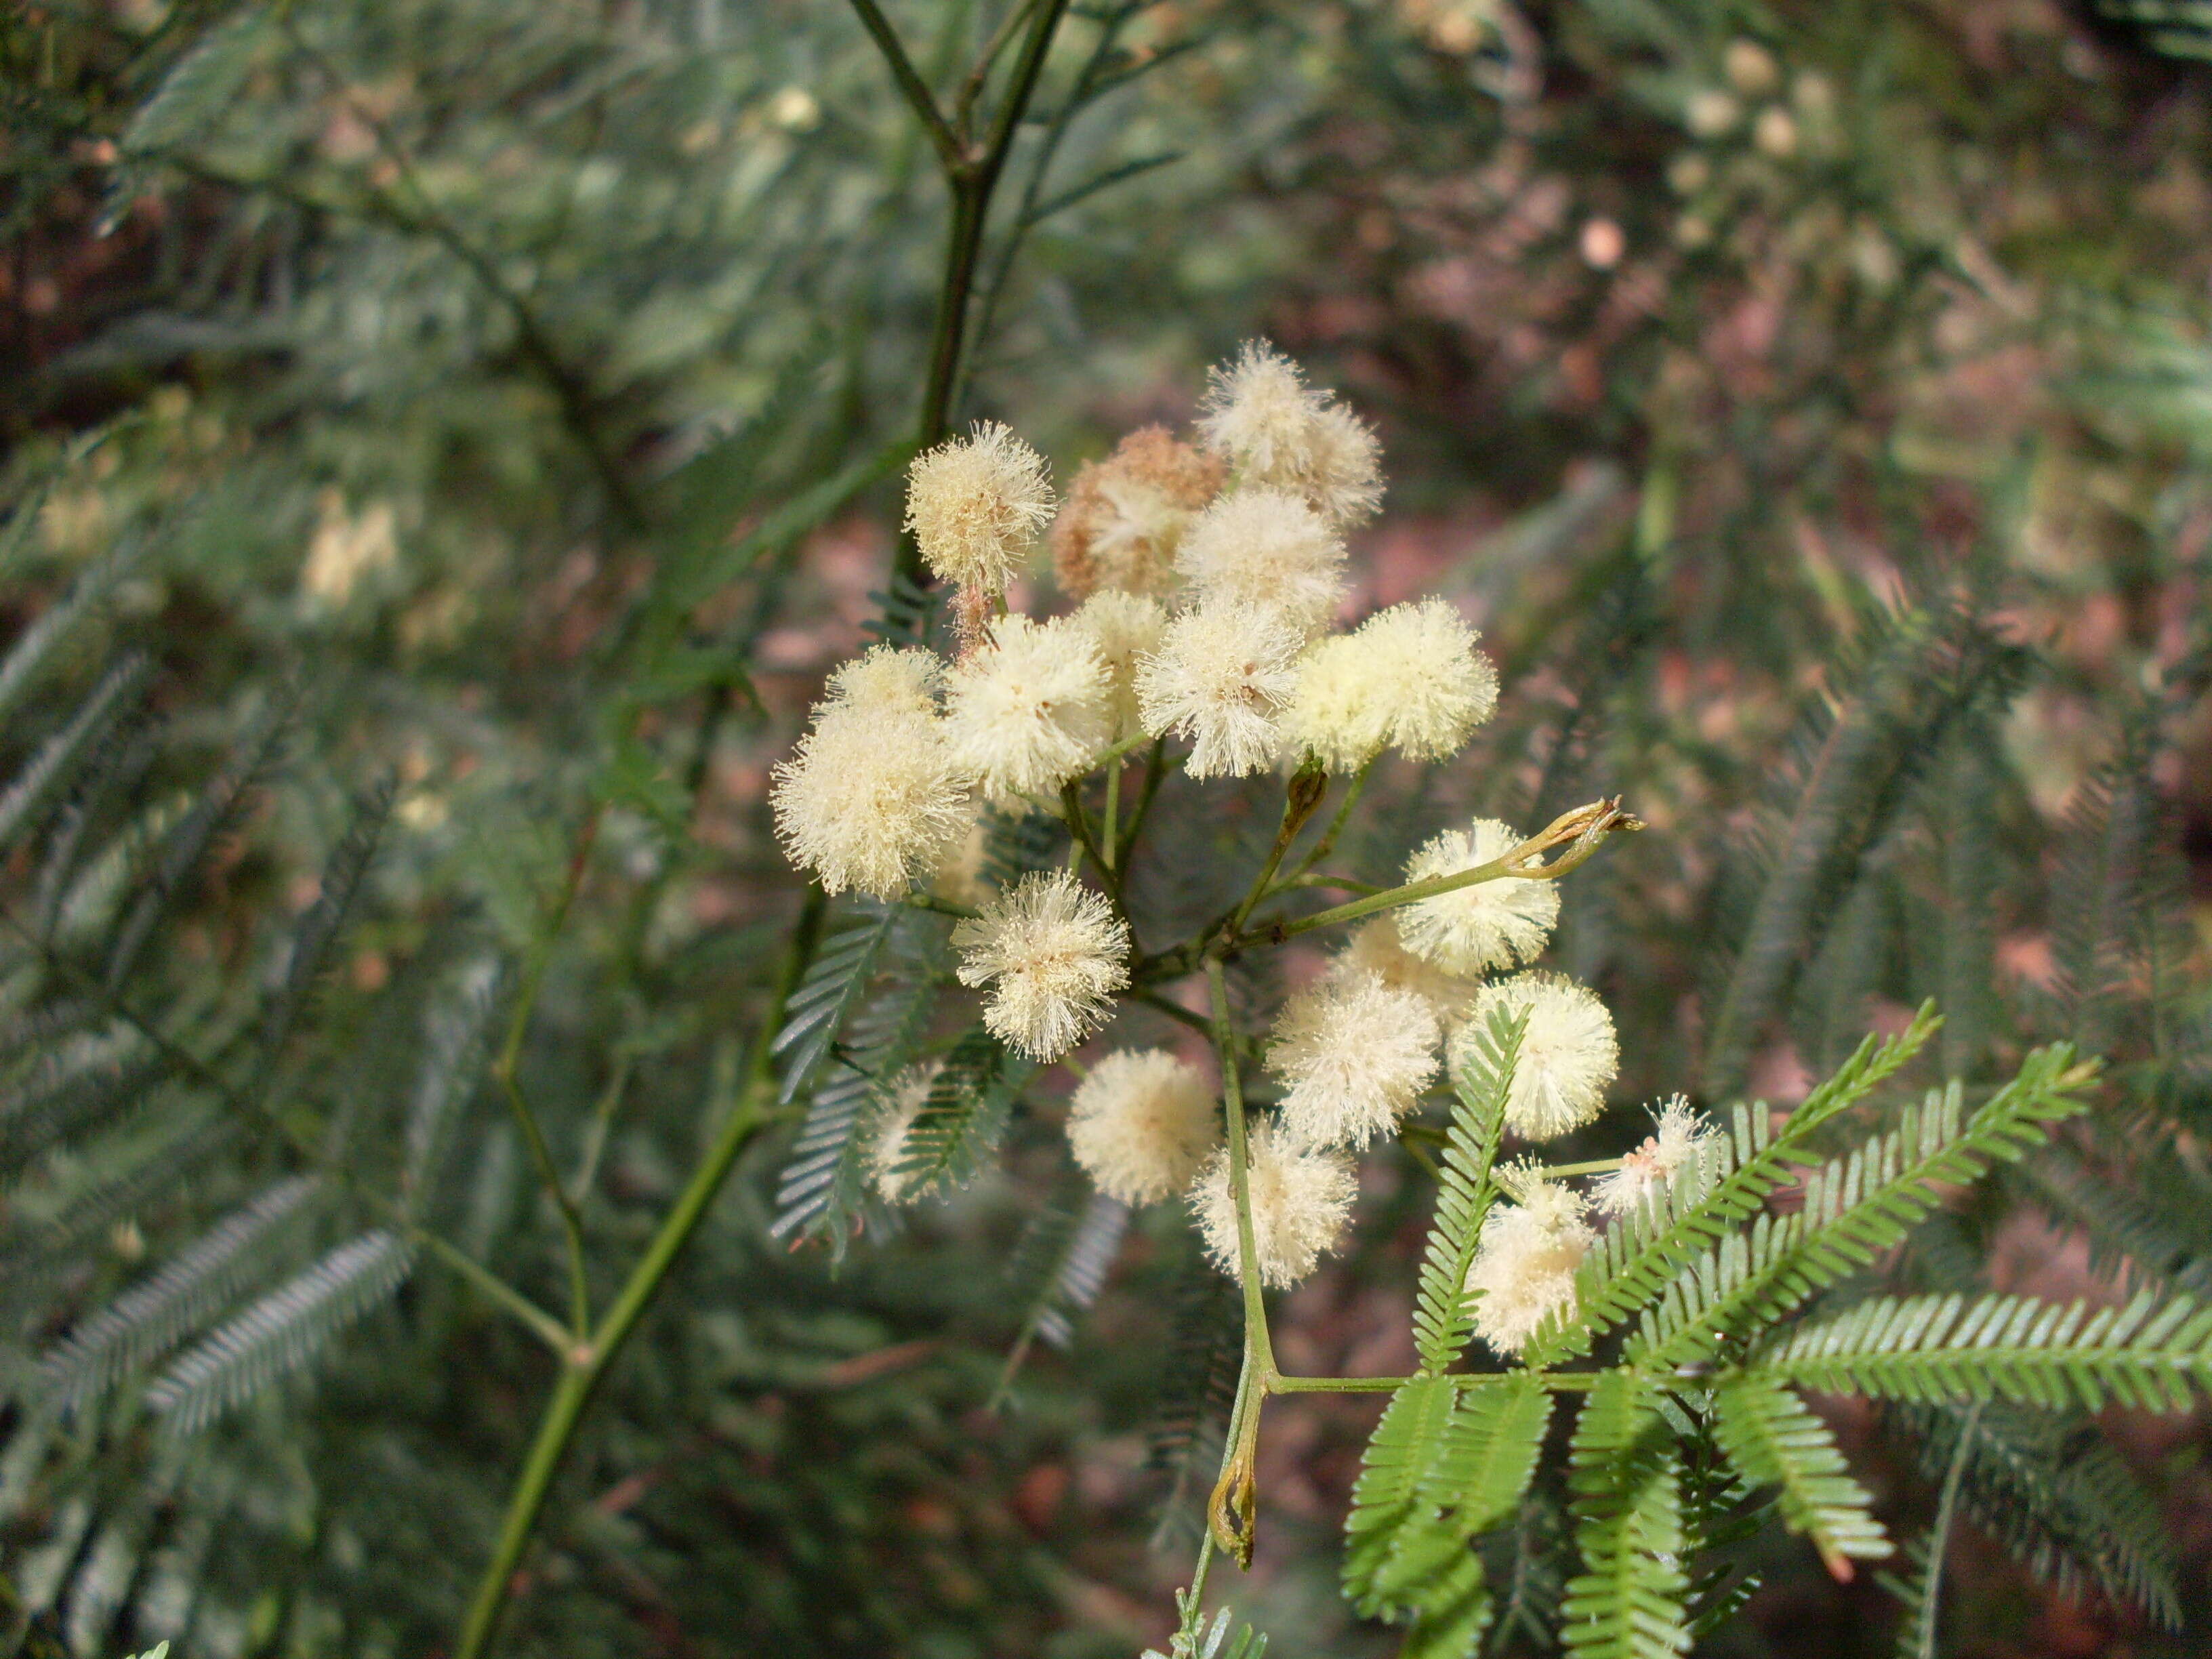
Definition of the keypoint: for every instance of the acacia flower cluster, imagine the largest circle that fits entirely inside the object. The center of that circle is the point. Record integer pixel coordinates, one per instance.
(1206, 583)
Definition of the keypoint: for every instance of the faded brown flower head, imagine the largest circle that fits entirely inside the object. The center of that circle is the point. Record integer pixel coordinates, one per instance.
(1124, 518)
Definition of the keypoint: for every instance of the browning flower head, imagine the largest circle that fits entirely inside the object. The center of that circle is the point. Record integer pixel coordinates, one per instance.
(1141, 1124)
(1120, 527)
(886, 680)
(1524, 1264)
(1278, 433)
(1375, 948)
(1300, 1202)
(1029, 709)
(1221, 678)
(1126, 628)
(1054, 954)
(975, 504)
(1492, 924)
(1266, 548)
(899, 1105)
(1569, 1054)
(1354, 1055)
(1680, 1141)
(869, 799)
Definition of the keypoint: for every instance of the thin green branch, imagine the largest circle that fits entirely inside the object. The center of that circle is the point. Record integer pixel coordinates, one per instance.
(1301, 797)
(548, 1329)
(505, 1068)
(1581, 831)
(586, 1362)
(1155, 770)
(911, 85)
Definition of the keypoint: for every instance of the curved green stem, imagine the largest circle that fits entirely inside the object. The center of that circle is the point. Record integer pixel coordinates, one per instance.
(1581, 831)
(587, 1361)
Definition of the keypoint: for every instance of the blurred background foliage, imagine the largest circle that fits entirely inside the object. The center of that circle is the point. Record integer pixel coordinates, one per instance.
(481, 421)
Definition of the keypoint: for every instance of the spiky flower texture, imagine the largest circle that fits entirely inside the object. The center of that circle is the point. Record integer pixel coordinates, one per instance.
(1219, 679)
(1126, 515)
(976, 505)
(1300, 1201)
(1569, 1055)
(1409, 677)
(1492, 924)
(1679, 1140)
(1266, 548)
(1277, 432)
(871, 798)
(1028, 707)
(1524, 1271)
(1054, 954)
(1141, 1123)
(1354, 1055)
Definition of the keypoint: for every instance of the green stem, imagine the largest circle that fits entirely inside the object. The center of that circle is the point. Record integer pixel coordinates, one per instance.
(1321, 848)
(548, 1329)
(1582, 831)
(971, 177)
(585, 1363)
(910, 84)
(1595, 1166)
(1154, 768)
(1308, 787)
(1109, 826)
(504, 1069)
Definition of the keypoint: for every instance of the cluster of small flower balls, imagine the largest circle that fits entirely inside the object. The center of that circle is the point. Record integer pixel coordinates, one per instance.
(1209, 576)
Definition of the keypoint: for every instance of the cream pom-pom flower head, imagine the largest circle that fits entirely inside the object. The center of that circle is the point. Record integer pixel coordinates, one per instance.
(1680, 1139)
(1126, 628)
(1054, 954)
(1375, 948)
(1126, 514)
(1221, 678)
(1300, 1201)
(1491, 924)
(1029, 709)
(1266, 548)
(1569, 1054)
(1279, 432)
(1525, 1261)
(1409, 677)
(1141, 1123)
(884, 680)
(1354, 1055)
(870, 798)
(976, 505)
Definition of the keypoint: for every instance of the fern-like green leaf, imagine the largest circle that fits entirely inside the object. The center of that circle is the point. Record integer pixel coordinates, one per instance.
(1473, 1481)
(1774, 1439)
(1407, 1440)
(280, 1332)
(2008, 1347)
(964, 1117)
(836, 982)
(149, 1318)
(58, 758)
(1855, 1207)
(316, 937)
(201, 86)
(1627, 1602)
(1643, 1252)
(2050, 1488)
(1440, 1316)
